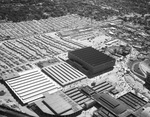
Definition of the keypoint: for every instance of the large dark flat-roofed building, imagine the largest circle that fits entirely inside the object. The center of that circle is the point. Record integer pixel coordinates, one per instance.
(91, 61)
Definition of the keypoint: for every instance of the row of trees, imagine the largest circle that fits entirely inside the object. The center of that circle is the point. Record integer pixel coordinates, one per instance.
(124, 6)
(21, 10)
(39, 10)
(19, 1)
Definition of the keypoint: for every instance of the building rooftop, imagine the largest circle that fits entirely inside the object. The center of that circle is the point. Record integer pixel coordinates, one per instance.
(91, 56)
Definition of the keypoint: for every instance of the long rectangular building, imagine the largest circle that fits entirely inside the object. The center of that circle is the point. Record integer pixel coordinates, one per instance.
(63, 73)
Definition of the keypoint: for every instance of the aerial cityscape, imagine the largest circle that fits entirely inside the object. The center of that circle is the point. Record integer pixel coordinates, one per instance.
(74, 58)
